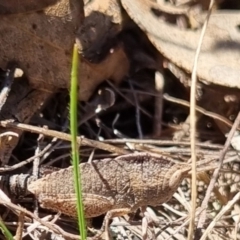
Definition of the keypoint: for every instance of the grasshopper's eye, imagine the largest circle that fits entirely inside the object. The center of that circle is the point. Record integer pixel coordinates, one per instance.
(175, 179)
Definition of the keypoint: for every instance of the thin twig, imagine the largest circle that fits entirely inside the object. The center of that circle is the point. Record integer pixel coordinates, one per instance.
(35, 225)
(193, 124)
(162, 142)
(36, 162)
(51, 226)
(19, 231)
(157, 121)
(64, 136)
(138, 119)
(199, 109)
(29, 160)
(7, 83)
(186, 103)
(128, 100)
(220, 214)
(35, 173)
(202, 217)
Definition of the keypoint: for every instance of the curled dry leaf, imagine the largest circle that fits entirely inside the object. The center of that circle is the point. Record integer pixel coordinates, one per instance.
(39, 37)
(23, 6)
(41, 43)
(219, 61)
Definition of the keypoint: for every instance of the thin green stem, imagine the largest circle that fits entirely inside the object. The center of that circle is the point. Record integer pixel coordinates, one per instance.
(5, 231)
(75, 152)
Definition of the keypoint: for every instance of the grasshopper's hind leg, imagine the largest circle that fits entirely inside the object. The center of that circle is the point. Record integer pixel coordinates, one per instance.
(111, 214)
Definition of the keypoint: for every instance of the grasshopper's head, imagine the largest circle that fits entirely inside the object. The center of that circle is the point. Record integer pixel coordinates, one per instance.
(177, 177)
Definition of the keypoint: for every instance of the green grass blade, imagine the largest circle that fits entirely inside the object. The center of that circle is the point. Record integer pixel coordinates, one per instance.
(75, 152)
(5, 231)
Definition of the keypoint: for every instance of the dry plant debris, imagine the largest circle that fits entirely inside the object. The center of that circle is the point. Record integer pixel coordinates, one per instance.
(136, 61)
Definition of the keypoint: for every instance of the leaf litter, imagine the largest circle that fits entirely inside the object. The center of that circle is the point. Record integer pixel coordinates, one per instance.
(117, 71)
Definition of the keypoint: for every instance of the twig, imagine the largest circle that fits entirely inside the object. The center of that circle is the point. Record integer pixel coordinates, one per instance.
(220, 214)
(128, 100)
(36, 161)
(202, 217)
(35, 173)
(51, 226)
(159, 83)
(33, 226)
(29, 160)
(19, 231)
(7, 83)
(162, 142)
(64, 136)
(193, 124)
(199, 109)
(186, 103)
(138, 120)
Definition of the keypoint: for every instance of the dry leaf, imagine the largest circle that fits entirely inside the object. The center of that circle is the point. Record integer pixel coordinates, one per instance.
(41, 43)
(111, 8)
(22, 6)
(219, 61)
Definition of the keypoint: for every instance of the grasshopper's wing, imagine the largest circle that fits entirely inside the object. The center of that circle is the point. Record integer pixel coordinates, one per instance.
(94, 205)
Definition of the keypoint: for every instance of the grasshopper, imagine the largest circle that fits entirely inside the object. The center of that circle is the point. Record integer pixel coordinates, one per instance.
(114, 186)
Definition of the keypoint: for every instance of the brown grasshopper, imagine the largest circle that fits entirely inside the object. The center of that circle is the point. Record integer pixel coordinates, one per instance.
(116, 186)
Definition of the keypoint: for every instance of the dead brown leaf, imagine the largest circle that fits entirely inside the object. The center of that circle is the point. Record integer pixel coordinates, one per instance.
(41, 43)
(219, 59)
(22, 6)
